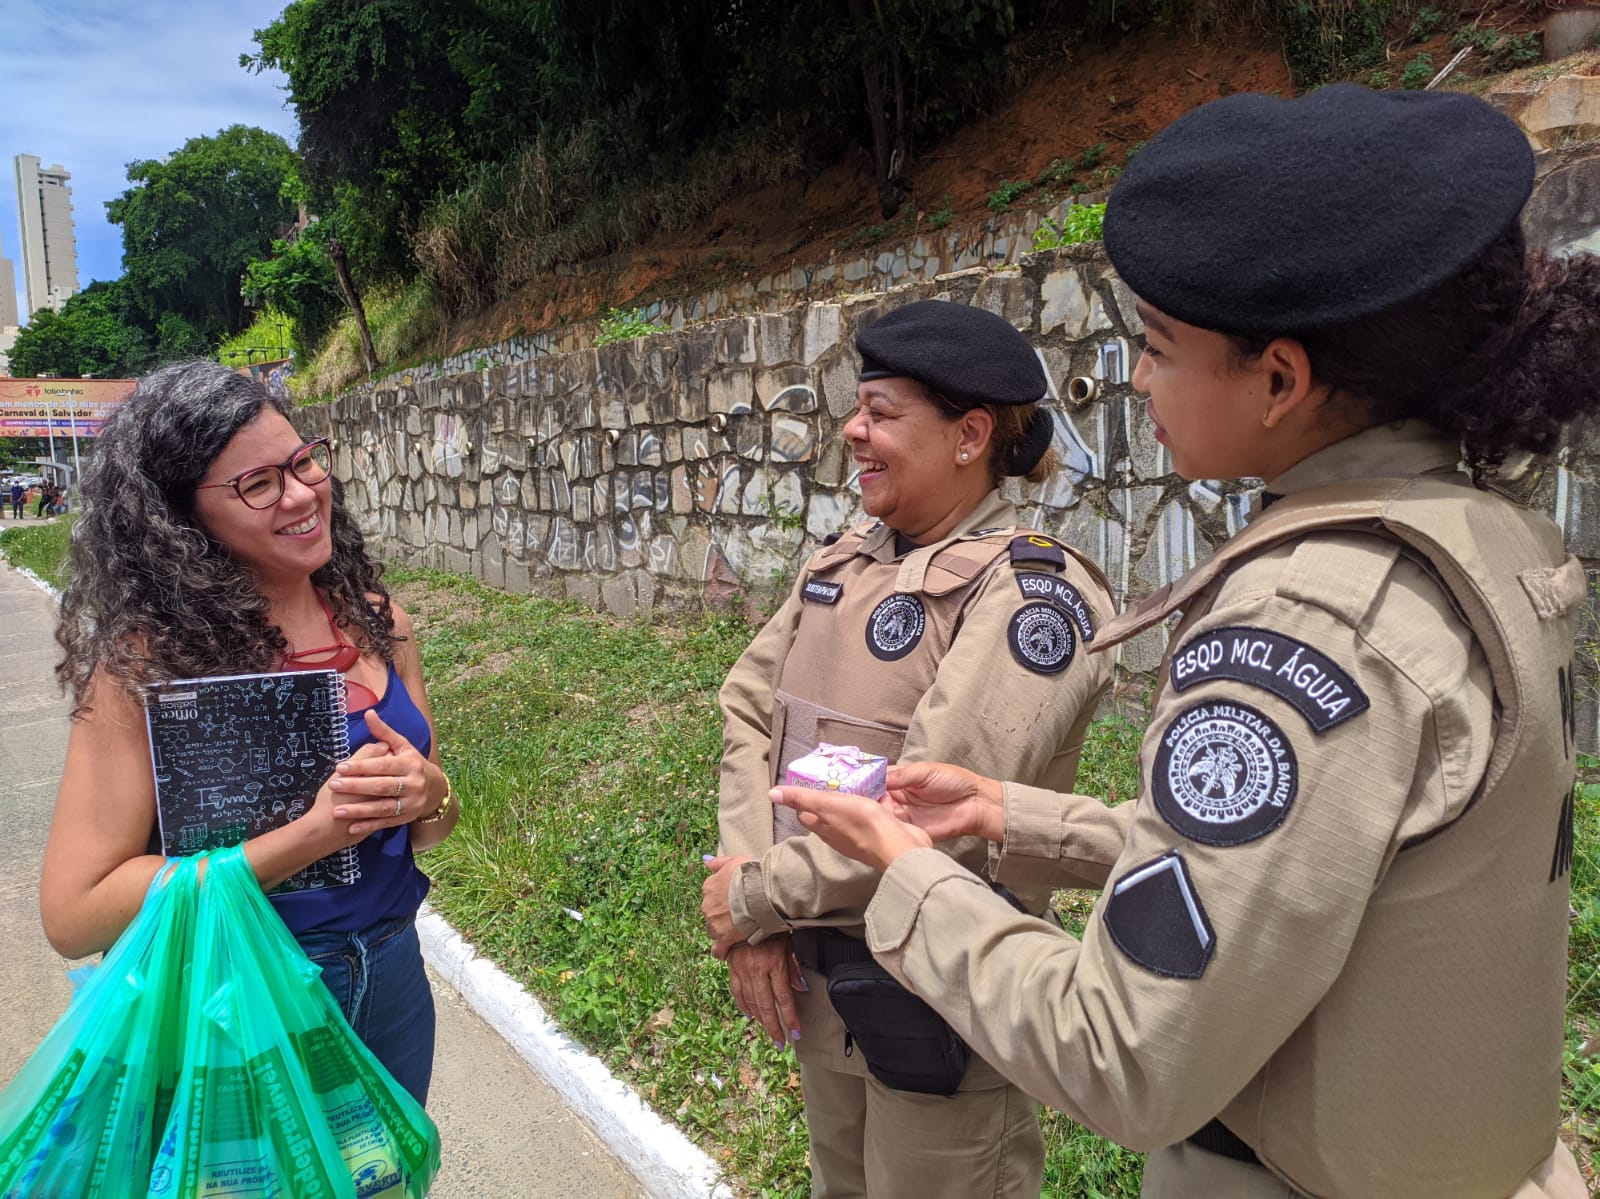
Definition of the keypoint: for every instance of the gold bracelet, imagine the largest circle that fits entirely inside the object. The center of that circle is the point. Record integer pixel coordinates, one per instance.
(437, 814)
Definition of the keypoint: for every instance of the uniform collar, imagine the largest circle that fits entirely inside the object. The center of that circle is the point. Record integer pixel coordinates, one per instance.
(1410, 447)
(992, 512)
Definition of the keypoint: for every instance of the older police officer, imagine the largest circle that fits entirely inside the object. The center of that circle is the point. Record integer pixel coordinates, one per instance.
(1330, 954)
(939, 629)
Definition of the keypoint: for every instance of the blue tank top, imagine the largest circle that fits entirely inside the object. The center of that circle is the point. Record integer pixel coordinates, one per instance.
(388, 883)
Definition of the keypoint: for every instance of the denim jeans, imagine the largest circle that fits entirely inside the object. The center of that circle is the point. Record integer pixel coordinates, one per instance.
(377, 978)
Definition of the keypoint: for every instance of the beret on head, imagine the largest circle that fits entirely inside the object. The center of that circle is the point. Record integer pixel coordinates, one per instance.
(968, 355)
(1259, 216)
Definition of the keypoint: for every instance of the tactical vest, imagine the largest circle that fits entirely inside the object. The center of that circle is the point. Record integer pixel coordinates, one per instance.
(1458, 974)
(869, 642)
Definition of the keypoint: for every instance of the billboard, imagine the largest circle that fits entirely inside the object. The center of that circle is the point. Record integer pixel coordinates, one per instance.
(42, 407)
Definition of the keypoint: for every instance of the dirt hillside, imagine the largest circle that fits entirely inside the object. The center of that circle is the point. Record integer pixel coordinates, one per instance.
(1118, 94)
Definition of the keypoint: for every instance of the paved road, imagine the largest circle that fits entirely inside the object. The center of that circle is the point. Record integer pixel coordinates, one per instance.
(505, 1133)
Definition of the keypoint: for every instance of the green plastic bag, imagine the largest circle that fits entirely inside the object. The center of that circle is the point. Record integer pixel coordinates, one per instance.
(205, 1058)
(78, 1118)
(278, 1096)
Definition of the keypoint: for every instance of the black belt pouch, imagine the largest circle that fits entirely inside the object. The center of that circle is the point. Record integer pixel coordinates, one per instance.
(907, 1045)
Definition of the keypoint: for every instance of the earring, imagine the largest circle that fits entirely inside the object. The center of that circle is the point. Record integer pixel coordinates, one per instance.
(965, 455)
(1265, 417)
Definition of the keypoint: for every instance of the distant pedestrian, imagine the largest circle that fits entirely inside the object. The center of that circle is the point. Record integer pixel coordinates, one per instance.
(17, 494)
(46, 494)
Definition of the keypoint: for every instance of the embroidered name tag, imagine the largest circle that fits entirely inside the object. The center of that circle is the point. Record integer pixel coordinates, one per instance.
(819, 592)
(1318, 688)
(1059, 592)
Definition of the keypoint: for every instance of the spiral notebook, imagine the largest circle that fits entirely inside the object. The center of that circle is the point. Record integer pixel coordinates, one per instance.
(239, 755)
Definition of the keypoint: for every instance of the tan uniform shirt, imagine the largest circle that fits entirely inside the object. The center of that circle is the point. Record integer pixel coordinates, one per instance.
(970, 697)
(1308, 788)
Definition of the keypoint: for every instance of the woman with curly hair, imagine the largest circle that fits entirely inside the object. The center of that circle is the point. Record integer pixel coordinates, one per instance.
(214, 540)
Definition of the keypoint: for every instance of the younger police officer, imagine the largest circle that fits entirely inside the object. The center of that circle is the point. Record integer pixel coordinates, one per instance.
(939, 629)
(1330, 954)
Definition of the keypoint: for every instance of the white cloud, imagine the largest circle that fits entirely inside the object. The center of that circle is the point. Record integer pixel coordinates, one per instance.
(97, 84)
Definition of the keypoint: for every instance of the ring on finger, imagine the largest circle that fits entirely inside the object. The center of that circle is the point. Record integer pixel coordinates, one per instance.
(399, 786)
(397, 805)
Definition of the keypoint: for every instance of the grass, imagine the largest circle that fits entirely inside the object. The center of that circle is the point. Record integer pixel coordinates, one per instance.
(1580, 1100)
(42, 548)
(586, 752)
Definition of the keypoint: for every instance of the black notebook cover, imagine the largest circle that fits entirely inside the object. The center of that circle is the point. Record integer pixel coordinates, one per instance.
(239, 755)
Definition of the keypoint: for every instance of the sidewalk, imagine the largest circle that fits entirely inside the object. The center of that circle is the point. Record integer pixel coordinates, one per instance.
(505, 1132)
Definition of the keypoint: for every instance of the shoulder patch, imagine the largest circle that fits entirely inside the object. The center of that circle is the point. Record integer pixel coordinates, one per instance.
(1041, 638)
(1317, 687)
(1036, 585)
(1037, 548)
(819, 591)
(1156, 918)
(832, 537)
(895, 626)
(1224, 774)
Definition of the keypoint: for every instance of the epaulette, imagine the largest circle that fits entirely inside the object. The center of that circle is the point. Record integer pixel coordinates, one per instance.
(1036, 547)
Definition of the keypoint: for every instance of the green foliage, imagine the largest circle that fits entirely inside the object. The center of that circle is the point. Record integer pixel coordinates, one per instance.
(1418, 72)
(944, 214)
(1059, 172)
(874, 234)
(298, 281)
(1379, 80)
(41, 547)
(1091, 157)
(1081, 223)
(1327, 39)
(1002, 197)
(1427, 22)
(1581, 1059)
(94, 334)
(1500, 51)
(192, 222)
(618, 325)
(268, 338)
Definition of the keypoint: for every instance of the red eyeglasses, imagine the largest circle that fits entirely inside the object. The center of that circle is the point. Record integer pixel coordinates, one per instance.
(263, 486)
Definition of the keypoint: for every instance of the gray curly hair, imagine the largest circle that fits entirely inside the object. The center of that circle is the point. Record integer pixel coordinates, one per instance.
(152, 597)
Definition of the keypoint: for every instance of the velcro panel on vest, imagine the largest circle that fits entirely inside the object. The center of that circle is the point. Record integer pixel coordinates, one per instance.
(1339, 572)
(958, 564)
(1554, 590)
(840, 551)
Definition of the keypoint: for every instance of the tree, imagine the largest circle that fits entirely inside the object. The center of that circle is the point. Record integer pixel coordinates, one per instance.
(93, 334)
(192, 223)
(300, 281)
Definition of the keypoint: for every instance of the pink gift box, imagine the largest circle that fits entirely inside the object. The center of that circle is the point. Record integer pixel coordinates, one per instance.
(840, 768)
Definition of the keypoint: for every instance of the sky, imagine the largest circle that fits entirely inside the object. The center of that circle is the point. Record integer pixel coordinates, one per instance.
(97, 84)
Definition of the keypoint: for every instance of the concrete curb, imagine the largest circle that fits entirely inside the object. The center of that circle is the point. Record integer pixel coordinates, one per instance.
(665, 1161)
(659, 1155)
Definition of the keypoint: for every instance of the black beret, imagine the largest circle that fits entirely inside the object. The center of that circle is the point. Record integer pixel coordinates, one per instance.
(1255, 215)
(968, 355)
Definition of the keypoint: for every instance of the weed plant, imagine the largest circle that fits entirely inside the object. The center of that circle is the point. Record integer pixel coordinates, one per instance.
(618, 325)
(1002, 197)
(1080, 223)
(1418, 72)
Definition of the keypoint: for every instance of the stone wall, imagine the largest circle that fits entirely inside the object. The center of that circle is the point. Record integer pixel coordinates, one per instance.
(706, 462)
(1000, 240)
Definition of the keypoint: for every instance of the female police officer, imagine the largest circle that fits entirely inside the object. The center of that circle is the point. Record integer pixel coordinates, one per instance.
(939, 629)
(1330, 953)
